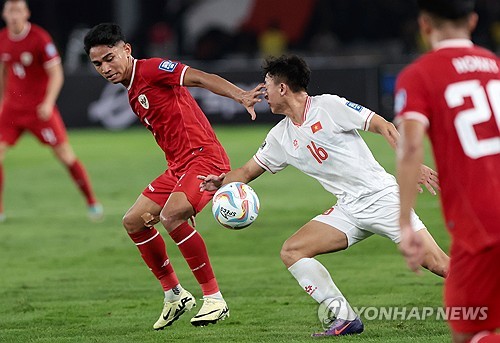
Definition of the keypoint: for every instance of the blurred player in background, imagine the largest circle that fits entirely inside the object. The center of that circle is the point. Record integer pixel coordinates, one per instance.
(453, 92)
(31, 77)
(159, 97)
(319, 137)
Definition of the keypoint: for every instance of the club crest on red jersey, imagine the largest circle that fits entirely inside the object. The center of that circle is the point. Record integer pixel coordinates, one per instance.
(143, 101)
(26, 58)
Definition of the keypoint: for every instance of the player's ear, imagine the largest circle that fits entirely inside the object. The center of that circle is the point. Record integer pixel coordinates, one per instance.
(472, 21)
(128, 49)
(283, 88)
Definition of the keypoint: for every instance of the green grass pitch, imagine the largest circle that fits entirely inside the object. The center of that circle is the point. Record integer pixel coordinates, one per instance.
(64, 279)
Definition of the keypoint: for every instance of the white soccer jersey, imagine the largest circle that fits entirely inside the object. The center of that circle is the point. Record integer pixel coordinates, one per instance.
(328, 147)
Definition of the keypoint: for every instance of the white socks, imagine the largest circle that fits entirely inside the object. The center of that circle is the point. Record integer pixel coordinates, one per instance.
(173, 294)
(314, 278)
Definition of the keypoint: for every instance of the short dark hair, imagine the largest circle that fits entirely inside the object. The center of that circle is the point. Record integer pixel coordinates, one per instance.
(289, 69)
(447, 9)
(103, 34)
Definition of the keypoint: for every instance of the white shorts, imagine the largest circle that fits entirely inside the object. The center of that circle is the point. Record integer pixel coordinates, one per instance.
(381, 218)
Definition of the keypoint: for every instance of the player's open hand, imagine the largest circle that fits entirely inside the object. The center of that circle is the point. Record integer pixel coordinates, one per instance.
(411, 247)
(428, 178)
(211, 182)
(251, 97)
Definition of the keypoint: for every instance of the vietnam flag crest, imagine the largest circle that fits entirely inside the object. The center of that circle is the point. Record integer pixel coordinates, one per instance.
(316, 127)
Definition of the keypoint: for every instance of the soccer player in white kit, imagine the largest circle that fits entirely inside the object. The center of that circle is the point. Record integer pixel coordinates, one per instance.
(319, 137)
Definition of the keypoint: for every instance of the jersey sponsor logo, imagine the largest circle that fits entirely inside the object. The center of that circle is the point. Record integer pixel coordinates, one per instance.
(144, 101)
(317, 126)
(399, 101)
(50, 50)
(26, 58)
(168, 66)
(354, 106)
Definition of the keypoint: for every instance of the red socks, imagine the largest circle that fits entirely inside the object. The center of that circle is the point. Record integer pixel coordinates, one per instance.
(193, 249)
(81, 178)
(153, 251)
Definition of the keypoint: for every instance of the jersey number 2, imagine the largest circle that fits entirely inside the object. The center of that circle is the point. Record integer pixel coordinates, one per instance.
(481, 97)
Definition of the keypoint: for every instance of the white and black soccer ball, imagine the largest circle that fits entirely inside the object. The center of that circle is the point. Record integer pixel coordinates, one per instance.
(235, 205)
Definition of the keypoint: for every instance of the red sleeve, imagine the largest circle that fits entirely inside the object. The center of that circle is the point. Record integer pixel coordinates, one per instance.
(411, 99)
(164, 72)
(47, 50)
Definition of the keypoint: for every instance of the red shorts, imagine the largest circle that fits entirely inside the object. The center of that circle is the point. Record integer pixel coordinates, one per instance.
(187, 182)
(473, 282)
(14, 122)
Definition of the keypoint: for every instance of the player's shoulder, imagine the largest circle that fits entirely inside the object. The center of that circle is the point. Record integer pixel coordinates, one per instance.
(3, 34)
(37, 30)
(152, 66)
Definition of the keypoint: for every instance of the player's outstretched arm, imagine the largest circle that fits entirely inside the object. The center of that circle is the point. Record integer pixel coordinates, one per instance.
(250, 171)
(386, 129)
(221, 86)
(427, 177)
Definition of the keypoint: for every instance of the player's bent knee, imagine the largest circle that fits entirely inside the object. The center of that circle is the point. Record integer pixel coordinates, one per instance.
(291, 253)
(131, 223)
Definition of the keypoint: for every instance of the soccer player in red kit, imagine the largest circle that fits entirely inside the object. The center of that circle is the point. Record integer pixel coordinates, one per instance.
(453, 93)
(31, 77)
(158, 96)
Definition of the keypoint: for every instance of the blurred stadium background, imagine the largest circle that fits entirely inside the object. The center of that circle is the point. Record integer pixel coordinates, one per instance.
(354, 47)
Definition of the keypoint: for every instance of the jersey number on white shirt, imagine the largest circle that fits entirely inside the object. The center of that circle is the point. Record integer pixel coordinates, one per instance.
(318, 153)
(480, 113)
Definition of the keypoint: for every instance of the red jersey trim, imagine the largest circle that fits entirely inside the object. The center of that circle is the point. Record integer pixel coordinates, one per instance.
(368, 120)
(260, 163)
(412, 116)
(133, 75)
(306, 109)
(181, 82)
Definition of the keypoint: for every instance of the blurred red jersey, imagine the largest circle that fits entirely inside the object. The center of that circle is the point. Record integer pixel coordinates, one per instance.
(181, 129)
(25, 57)
(455, 92)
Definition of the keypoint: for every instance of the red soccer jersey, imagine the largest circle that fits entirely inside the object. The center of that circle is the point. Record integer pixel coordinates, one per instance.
(157, 96)
(25, 57)
(455, 92)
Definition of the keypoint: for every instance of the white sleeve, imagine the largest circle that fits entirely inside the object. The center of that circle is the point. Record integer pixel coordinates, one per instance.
(348, 115)
(270, 155)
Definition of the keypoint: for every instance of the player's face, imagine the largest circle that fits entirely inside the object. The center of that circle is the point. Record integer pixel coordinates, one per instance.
(114, 63)
(273, 94)
(16, 15)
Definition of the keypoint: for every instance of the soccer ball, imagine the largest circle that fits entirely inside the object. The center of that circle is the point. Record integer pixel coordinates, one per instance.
(235, 205)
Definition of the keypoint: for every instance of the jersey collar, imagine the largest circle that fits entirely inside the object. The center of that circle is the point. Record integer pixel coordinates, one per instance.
(133, 75)
(454, 43)
(20, 36)
(306, 109)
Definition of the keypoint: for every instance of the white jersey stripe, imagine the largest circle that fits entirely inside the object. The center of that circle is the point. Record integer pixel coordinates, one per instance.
(148, 240)
(188, 237)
